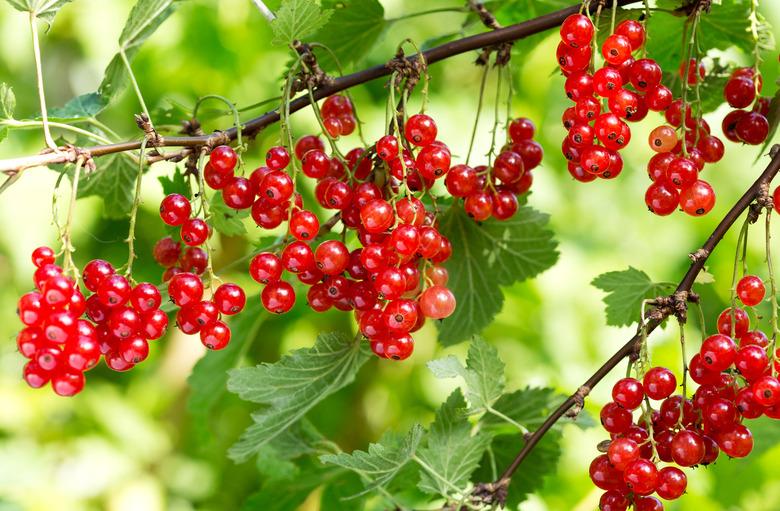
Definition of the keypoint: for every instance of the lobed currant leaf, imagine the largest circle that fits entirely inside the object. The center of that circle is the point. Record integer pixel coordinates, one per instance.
(7, 100)
(292, 386)
(81, 107)
(297, 19)
(209, 377)
(626, 290)
(144, 19)
(114, 182)
(176, 183)
(483, 374)
(383, 460)
(292, 493)
(43, 9)
(352, 31)
(226, 220)
(487, 256)
(450, 449)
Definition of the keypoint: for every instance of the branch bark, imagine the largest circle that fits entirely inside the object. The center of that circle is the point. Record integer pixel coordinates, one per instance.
(684, 286)
(253, 126)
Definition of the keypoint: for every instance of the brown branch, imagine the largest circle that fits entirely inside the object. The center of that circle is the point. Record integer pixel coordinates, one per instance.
(253, 126)
(684, 287)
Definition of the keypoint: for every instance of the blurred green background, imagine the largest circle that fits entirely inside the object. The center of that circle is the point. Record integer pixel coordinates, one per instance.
(128, 441)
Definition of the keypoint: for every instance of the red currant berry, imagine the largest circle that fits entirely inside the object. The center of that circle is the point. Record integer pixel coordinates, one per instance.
(616, 49)
(175, 209)
(615, 418)
(42, 256)
(420, 130)
(278, 297)
(229, 299)
(67, 383)
(215, 336)
(752, 128)
(628, 393)
(304, 225)
(154, 324)
(238, 193)
(277, 158)
(698, 199)
(577, 31)
(437, 302)
(641, 476)
(194, 232)
(185, 289)
(166, 252)
(523, 128)
(736, 442)
(377, 216)
(604, 474)
(632, 30)
(694, 71)
(718, 352)
(114, 291)
(750, 290)
(331, 257)
(659, 383)
(223, 159)
(297, 257)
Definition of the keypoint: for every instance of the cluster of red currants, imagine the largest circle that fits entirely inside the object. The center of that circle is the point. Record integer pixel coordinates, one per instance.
(740, 91)
(392, 281)
(675, 170)
(594, 137)
(736, 382)
(338, 116)
(493, 191)
(199, 316)
(65, 333)
(168, 254)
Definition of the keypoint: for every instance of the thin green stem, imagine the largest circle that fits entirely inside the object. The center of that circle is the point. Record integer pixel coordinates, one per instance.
(612, 20)
(503, 417)
(733, 298)
(479, 111)
(233, 110)
(496, 118)
(131, 256)
(13, 123)
(425, 13)
(39, 79)
(206, 216)
(134, 82)
(772, 291)
(689, 46)
(65, 233)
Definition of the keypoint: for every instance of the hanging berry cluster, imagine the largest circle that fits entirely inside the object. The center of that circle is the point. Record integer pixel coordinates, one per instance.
(737, 376)
(594, 137)
(742, 90)
(392, 281)
(493, 191)
(65, 333)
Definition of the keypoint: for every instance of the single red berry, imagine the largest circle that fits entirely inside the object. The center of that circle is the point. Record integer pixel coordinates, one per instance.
(750, 290)
(215, 179)
(739, 91)
(616, 49)
(387, 147)
(659, 98)
(694, 71)
(265, 267)
(697, 199)
(67, 383)
(752, 128)
(420, 130)
(736, 441)
(659, 383)
(766, 391)
(740, 320)
(505, 204)
(304, 225)
(229, 298)
(238, 193)
(641, 476)
(166, 252)
(662, 198)
(613, 500)
(223, 159)
(278, 297)
(42, 256)
(577, 31)
(479, 205)
(124, 322)
(277, 158)
(194, 232)
(154, 324)
(194, 260)
(523, 128)
(628, 393)
(215, 336)
(133, 350)
(377, 216)
(437, 302)
(622, 452)
(185, 289)
(604, 474)
(276, 187)
(632, 30)
(648, 503)
(390, 283)
(175, 209)
(114, 291)
(308, 143)
(331, 257)
(297, 257)
(615, 418)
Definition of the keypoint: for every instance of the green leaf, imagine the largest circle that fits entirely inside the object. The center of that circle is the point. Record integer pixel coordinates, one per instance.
(226, 220)
(297, 19)
(383, 460)
(44, 9)
(451, 450)
(292, 386)
(487, 256)
(352, 31)
(483, 374)
(291, 494)
(541, 462)
(145, 17)
(114, 182)
(210, 375)
(7, 101)
(176, 184)
(81, 107)
(625, 292)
